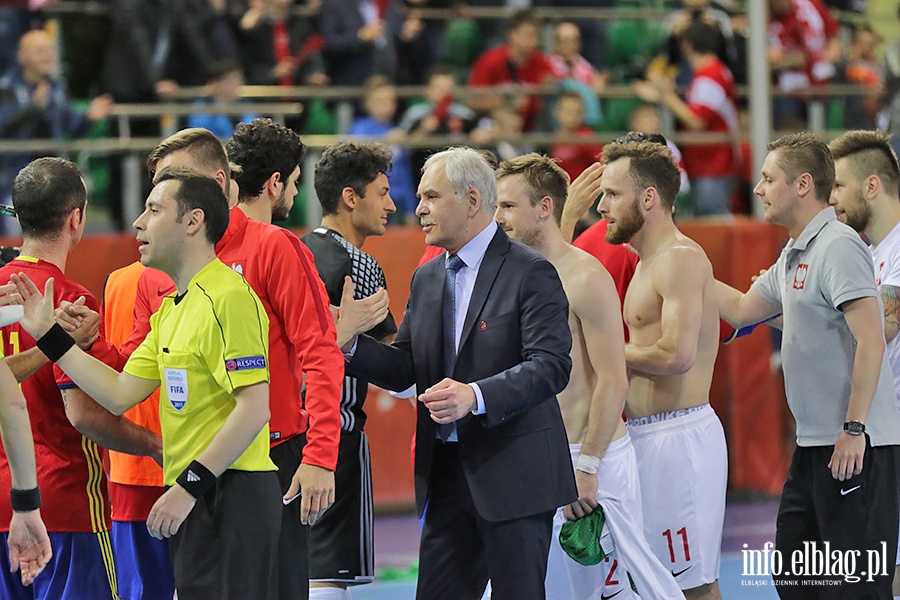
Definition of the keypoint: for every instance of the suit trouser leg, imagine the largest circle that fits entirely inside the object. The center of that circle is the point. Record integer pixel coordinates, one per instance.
(459, 550)
(517, 553)
(452, 562)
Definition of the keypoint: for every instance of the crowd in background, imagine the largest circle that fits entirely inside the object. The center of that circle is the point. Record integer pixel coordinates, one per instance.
(686, 68)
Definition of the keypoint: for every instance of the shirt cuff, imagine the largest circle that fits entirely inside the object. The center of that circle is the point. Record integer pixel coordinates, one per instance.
(349, 354)
(479, 401)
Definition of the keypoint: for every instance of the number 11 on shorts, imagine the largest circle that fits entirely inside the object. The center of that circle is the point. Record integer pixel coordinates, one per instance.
(683, 533)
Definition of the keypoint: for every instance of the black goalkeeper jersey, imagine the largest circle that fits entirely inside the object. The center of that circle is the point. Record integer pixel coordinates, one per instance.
(335, 259)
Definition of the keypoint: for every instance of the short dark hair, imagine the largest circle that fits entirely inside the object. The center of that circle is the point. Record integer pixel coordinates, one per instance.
(348, 164)
(543, 176)
(652, 165)
(262, 147)
(803, 152)
(45, 193)
(871, 154)
(522, 17)
(199, 191)
(703, 37)
(640, 136)
(203, 146)
(441, 70)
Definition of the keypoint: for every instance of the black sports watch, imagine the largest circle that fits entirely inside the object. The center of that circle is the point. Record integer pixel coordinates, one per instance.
(855, 427)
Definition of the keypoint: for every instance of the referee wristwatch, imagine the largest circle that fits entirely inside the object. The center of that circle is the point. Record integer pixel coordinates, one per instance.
(855, 427)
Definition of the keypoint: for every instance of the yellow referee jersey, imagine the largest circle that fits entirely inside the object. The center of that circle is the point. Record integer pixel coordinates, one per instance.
(202, 346)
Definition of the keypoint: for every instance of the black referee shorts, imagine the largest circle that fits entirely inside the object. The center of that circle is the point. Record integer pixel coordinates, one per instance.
(830, 532)
(224, 548)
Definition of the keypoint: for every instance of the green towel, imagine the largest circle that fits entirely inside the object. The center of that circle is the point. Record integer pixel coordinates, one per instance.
(581, 539)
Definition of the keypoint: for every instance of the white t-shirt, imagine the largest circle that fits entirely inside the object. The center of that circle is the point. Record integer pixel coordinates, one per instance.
(887, 272)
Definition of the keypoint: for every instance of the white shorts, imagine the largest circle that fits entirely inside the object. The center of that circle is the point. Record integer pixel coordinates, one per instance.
(683, 468)
(568, 580)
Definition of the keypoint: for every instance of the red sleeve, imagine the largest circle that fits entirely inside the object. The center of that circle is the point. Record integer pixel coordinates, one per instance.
(546, 68)
(832, 27)
(303, 304)
(705, 113)
(482, 71)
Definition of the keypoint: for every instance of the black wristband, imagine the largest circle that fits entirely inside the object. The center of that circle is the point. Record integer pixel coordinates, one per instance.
(25, 500)
(55, 342)
(196, 479)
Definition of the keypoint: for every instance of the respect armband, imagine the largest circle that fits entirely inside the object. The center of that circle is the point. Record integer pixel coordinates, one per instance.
(196, 479)
(588, 464)
(55, 343)
(25, 500)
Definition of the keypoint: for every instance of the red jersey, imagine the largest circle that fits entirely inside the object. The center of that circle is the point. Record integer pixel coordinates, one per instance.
(69, 465)
(575, 158)
(281, 270)
(495, 67)
(618, 260)
(711, 96)
(131, 295)
(430, 252)
(807, 28)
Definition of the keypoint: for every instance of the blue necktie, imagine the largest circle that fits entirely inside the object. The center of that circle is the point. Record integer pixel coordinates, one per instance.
(454, 264)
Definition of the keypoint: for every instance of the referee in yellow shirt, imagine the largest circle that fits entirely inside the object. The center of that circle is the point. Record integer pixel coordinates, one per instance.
(207, 351)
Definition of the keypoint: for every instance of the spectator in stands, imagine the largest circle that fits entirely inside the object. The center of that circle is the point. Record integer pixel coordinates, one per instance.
(710, 107)
(363, 37)
(645, 118)
(279, 48)
(803, 50)
(892, 87)
(155, 46)
(505, 132)
(440, 114)
(519, 61)
(573, 157)
(380, 104)
(567, 61)
(708, 12)
(225, 81)
(862, 68)
(34, 104)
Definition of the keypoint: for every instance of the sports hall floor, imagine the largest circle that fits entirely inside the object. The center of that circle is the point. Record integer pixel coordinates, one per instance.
(751, 523)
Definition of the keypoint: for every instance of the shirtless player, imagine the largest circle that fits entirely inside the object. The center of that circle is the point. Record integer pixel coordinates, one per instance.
(673, 321)
(531, 192)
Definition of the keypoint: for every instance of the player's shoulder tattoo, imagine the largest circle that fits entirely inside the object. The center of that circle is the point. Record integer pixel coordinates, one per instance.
(890, 296)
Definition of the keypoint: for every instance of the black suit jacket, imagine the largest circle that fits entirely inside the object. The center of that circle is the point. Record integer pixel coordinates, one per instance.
(515, 345)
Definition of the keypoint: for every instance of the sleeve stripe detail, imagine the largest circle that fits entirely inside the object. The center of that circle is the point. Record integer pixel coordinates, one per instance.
(321, 311)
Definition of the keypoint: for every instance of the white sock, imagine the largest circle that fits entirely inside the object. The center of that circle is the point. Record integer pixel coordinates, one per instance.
(328, 593)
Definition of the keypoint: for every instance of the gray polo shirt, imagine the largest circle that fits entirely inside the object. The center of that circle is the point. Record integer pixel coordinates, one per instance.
(827, 265)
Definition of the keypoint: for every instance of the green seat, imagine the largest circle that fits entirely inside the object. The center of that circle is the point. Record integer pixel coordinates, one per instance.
(95, 167)
(616, 113)
(319, 119)
(633, 40)
(462, 43)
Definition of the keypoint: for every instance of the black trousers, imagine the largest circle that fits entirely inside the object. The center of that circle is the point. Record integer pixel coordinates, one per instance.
(224, 548)
(459, 550)
(293, 544)
(857, 518)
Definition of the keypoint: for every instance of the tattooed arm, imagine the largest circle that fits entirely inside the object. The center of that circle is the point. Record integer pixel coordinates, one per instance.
(890, 295)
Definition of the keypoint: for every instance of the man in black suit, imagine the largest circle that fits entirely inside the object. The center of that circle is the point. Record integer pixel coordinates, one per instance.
(492, 460)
